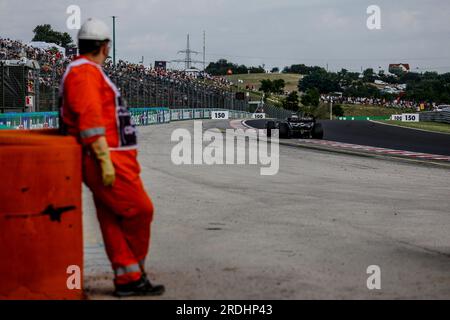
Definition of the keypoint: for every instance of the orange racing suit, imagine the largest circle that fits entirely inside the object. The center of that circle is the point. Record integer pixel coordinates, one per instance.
(91, 106)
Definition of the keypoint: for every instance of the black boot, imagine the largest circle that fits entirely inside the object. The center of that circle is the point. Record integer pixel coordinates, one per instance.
(142, 287)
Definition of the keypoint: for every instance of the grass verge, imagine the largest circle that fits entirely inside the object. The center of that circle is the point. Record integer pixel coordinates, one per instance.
(429, 126)
(370, 110)
(254, 79)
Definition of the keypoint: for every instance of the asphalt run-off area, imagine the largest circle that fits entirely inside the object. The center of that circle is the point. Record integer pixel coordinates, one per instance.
(308, 232)
(380, 135)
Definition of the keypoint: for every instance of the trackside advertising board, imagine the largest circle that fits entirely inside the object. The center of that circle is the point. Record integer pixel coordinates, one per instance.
(410, 117)
(406, 117)
(220, 114)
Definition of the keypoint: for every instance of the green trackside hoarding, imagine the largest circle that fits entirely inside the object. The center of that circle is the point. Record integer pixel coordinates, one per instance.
(29, 120)
(140, 116)
(40, 120)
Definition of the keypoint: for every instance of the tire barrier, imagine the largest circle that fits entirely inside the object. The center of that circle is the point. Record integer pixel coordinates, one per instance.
(435, 116)
(141, 117)
(40, 216)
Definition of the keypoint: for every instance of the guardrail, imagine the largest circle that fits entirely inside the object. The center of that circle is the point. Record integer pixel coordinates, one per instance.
(435, 116)
(141, 117)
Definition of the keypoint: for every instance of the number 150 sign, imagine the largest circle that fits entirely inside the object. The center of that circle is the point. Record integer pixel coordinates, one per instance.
(410, 117)
(219, 115)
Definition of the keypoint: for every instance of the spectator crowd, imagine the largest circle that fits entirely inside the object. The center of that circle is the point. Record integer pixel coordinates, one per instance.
(382, 102)
(50, 61)
(147, 86)
(141, 85)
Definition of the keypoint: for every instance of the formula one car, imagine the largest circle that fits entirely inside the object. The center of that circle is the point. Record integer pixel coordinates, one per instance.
(296, 126)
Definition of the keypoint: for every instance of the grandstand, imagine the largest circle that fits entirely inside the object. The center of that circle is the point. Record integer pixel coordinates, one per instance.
(141, 86)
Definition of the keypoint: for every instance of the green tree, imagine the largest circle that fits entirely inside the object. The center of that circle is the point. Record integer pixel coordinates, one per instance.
(311, 98)
(320, 79)
(363, 90)
(258, 69)
(291, 101)
(278, 86)
(338, 111)
(301, 69)
(347, 78)
(46, 33)
(388, 78)
(266, 86)
(221, 67)
(369, 75)
(432, 87)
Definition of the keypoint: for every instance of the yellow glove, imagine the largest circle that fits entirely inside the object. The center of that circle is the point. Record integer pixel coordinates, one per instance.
(101, 151)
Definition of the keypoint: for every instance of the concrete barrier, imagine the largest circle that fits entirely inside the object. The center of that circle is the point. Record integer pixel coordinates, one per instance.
(41, 243)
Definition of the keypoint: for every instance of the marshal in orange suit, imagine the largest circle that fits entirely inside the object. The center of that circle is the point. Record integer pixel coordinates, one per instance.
(93, 110)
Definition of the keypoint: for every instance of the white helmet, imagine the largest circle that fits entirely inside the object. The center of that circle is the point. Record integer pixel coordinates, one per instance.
(94, 29)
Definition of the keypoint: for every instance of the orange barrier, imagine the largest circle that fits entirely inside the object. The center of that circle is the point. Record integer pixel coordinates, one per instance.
(41, 244)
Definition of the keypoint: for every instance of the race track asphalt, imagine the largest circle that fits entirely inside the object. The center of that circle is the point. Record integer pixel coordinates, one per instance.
(379, 135)
(308, 232)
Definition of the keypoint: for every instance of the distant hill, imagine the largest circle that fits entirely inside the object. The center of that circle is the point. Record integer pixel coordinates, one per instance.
(253, 79)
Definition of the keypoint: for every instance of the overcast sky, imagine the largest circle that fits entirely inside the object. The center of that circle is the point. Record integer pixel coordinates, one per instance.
(256, 32)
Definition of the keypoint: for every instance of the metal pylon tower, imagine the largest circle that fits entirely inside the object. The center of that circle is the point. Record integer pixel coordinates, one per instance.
(188, 55)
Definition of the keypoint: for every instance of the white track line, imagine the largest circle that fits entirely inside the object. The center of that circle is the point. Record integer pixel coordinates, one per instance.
(416, 129)
(238, 124)
(241, 124)
(378, 150)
